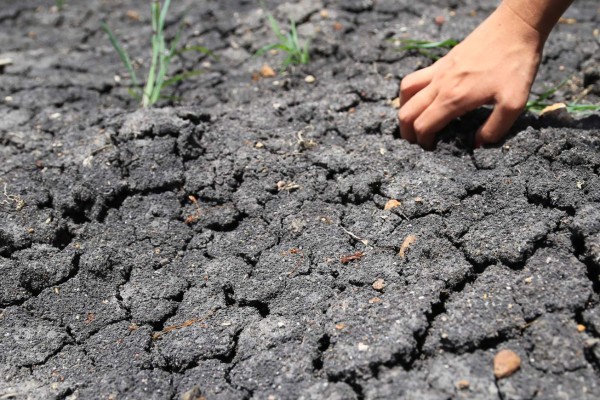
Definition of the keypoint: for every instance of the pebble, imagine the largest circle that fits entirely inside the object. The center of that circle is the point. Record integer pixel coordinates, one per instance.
(310, 79)
(506, 363)
(379, 284)
(363, 347)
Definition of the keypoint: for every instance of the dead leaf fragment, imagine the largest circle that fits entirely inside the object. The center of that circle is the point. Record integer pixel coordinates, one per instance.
(409, 241)
(267, 72)
(133, 15)
(392, 204)
(5, 61)
(567, 21)
(553, 107)
(90, 317)
(506, 363)
(288, 186)
(379, 285)
(356, 256)
(463, 384)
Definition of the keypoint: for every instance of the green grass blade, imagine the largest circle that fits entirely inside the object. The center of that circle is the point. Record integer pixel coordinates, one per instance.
(545, 95)
(133, 93)
(275, 27)
(163, 16)
(122, 53)
(181, 77)
(270, 47)
(175, 43)
(199, 49)
(305, 58)
(412, 44)
(150, 81)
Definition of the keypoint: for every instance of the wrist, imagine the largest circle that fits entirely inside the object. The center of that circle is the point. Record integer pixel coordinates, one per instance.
(540, 15)
(517, 23)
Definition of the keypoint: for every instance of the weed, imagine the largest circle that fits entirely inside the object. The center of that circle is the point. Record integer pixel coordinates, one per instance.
(162, 55)
(540, 102)
(296, 53)
(59, 4)
(424, 46)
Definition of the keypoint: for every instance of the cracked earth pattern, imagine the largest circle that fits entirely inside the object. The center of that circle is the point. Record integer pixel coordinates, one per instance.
(238, 245)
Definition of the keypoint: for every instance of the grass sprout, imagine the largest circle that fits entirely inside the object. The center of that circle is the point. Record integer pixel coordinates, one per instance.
(162, 55)
(424, 47)
(59, 4)
(541, 102)
(296, 52)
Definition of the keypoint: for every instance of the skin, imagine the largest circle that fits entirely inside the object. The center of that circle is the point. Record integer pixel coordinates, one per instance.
(495, 65)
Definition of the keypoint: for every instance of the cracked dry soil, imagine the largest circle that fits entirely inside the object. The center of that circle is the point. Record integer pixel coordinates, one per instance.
(195, 252)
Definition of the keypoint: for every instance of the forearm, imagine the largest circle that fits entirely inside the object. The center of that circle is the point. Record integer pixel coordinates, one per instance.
(541, 15)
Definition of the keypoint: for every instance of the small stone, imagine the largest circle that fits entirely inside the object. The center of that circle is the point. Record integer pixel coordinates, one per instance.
(363, 347)
(463, 384)
(506, 363)
(396, 103)
(439, 20)
(259, 145)
(310, 79)
(379, 284)
(375, 300)
(8, 99)
(529, 280)
(324, 14)
(340, 326)
(580, 328)
(56, 115)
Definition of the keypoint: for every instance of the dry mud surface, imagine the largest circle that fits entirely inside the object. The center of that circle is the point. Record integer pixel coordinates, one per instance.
(195, 250)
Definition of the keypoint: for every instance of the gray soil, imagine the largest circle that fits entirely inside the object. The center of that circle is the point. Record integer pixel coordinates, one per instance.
(194, 250)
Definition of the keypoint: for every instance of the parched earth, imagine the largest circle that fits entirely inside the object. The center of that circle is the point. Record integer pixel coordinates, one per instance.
(241, 243)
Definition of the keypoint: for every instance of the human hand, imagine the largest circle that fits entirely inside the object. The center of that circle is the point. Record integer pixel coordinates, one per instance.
(496, 64)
